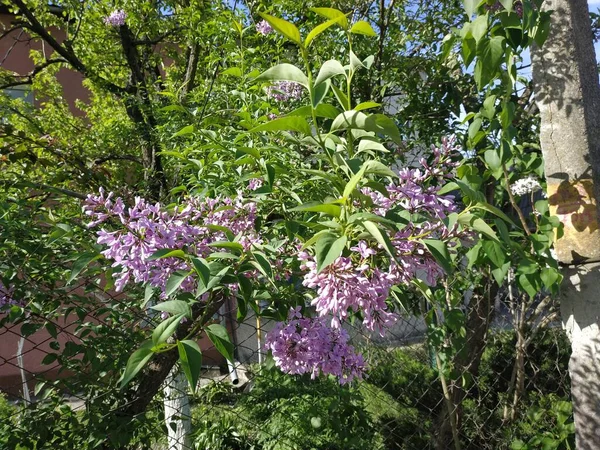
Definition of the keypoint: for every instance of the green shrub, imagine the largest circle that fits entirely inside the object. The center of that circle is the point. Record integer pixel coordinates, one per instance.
(286, 412)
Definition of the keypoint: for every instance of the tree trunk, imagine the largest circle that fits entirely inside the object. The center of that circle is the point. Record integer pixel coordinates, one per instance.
(568, 96)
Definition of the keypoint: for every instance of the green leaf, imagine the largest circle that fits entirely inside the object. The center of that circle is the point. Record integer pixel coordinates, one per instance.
(525, 282)
(367, 144)
(495, 211)
(341, 97)
(490, 54)
(351, 185)
(165, 329)
(507, 4)
(499, 273)
(81, 263)
(287, 123)
(166, 253)
(175, 281)
(284, 27)
(440, 252)
(328, 249)
(470, 7)
(184, 131)
(284, 72)
(202, 269)
(227, 244)
(494, 252)
(326, 208)
(233, 71)
(332, 13)
(329, 69)
(355, 62)
(174, 307)
(220, 338)
(366, 105)
(319, 93)
(478, 224)
(492, 159)
(381, 238)
(362, 27)
(321, 28)
(322, 110)
(550, 277)
(479, 27)
(190, 361)
(136, 362)
(262, 264)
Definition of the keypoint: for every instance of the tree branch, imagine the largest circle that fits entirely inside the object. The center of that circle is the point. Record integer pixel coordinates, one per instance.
(28, 79)
(65, 51)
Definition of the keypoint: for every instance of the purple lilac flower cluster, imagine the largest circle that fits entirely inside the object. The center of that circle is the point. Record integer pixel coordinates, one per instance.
(344, 287)
(264, 27)
(285, 90)
(147, 228)
(116, 18)
(308, 345)
(354, 283)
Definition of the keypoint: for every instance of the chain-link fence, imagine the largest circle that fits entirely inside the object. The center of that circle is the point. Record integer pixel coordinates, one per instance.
(507, 385)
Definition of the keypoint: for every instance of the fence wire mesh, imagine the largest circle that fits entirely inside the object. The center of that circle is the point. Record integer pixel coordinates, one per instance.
(507, 385)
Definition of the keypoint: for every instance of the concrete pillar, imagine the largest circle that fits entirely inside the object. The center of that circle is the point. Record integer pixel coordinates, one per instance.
(568, 96)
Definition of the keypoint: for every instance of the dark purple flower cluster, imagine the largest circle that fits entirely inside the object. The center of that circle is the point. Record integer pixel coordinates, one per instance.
(308, 345)
(146, 228)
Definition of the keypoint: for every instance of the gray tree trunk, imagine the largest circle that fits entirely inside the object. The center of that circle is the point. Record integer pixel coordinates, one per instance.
(568, 96)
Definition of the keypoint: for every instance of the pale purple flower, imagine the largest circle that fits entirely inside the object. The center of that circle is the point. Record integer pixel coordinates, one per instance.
(116, 18)
(255, 183)
(264, 27)
(363, 249)
(146, 228)
(308, 345)
(285, 90)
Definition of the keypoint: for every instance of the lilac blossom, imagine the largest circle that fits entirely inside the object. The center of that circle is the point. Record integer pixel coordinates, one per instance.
(147, 228)
(255, 183)
(7, 296)
(308, 345)
(285, 90)
(352, 284)
(264, 27)
(116, 18)
(525, 185)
